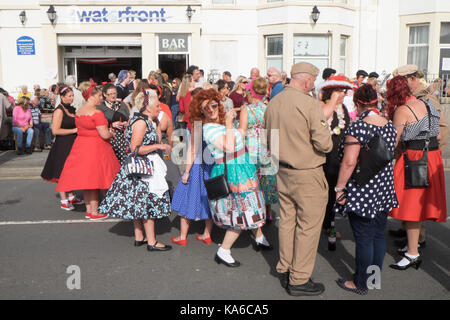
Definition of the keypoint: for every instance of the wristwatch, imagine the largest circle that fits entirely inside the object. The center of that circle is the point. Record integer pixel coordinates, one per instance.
(336, 189)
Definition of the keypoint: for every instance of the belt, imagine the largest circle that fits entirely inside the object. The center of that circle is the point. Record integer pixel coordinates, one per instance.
(420, 144)
(235, 155)
(285, 165)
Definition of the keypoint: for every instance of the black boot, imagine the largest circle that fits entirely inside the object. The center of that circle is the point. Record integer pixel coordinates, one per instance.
(20, 151)
(28, 151)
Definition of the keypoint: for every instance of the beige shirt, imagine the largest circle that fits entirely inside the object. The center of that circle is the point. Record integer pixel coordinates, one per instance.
(304, 138)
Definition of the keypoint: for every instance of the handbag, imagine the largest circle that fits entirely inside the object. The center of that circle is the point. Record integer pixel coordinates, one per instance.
(373, 157)
(138, 166)
(217, 187)
(416, 172)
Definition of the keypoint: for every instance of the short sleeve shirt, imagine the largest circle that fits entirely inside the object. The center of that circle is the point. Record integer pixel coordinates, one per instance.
(212, 131)
(378, 196)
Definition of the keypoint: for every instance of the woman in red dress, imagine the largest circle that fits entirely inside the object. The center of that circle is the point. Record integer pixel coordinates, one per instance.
(412, 118)
(92, 164)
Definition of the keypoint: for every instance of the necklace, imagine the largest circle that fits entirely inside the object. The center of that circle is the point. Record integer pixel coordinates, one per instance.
(341, 121)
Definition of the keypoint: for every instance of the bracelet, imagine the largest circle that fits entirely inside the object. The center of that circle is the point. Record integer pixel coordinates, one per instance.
(336, 189)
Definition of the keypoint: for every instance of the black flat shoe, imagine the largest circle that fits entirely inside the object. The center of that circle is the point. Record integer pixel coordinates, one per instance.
(140, 243)
(341, 283)
(284, 279)
(308, 289)
(415, 263)
(155, 248)
(219, 260)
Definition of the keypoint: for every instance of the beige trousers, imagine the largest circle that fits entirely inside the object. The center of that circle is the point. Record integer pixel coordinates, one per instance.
(303, 196)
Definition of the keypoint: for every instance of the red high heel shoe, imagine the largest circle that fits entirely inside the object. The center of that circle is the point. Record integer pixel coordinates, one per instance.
(207, 240)
(179, 242)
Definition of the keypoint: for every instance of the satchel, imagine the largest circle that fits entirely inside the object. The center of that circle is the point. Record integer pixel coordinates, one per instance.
(217, 187)
(137, 165)
(373, 157)
(416, 172)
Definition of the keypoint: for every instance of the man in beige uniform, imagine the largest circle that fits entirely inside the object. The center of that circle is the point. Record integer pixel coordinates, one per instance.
(304, 139)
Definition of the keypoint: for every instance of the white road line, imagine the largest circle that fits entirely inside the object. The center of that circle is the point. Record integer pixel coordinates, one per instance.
(12, 223)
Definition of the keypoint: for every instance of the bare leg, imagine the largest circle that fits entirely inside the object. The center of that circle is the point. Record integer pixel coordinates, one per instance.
(91, 200)
(139, 233)
(87, 200)
(413, 231)
(149, 226)
(208, 229)
(230, 238)
(184, 229)
(63, 196)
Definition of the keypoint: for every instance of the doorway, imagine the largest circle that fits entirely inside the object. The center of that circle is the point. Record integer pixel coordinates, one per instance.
(99, 68)
(174, 65)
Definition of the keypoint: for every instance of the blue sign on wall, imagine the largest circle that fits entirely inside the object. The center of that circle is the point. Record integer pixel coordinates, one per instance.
(25, 46)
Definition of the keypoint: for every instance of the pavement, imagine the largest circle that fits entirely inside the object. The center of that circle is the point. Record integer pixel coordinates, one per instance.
(39, 242)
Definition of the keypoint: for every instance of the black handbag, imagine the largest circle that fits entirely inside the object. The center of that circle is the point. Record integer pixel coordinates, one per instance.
(373, 157)
(416, 172)
(217, 187)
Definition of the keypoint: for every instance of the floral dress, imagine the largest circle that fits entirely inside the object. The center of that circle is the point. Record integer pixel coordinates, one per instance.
(138, 198)
(244, 208)
(258, 152)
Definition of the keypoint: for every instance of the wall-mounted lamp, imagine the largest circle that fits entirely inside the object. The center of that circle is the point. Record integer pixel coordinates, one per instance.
(51, 14)
(23, 17)
(189, 12)
(315, 14)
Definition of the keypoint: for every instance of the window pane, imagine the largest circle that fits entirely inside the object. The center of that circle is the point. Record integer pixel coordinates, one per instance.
(342, 66)
(419, 57)
(445, 32)
(343, 46)
(275, 62)
(275, 46)
(311, 46)
(418, 35)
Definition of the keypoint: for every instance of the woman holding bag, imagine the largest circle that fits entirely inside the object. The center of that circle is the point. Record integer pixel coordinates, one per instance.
(145, 199)
(244, 207)
(416, 121)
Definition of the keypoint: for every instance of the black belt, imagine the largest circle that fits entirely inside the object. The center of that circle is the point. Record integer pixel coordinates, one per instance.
(420, 144)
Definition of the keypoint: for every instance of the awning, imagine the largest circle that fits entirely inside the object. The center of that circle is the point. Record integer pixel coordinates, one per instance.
(99, 39)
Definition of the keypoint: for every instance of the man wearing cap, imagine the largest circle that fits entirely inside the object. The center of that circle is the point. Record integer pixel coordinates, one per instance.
(420, 91)
(360, 76)
(304, 139)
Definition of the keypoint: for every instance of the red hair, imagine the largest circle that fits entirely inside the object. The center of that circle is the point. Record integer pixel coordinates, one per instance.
(397, 93)
(195, 107)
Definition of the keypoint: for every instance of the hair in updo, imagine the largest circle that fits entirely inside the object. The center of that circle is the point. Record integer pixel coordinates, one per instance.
(366, 97)
(259, 85)
(143, 99)
(397, 93)
(64, 90)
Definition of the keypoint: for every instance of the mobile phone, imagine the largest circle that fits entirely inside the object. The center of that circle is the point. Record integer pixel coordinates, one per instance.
(342, 197)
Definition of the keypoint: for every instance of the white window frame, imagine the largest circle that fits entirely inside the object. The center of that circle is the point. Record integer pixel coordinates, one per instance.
(266, 55)
(315, 57)
(420, 45)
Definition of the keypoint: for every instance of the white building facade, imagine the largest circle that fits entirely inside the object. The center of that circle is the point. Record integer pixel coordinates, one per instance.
(92, 38)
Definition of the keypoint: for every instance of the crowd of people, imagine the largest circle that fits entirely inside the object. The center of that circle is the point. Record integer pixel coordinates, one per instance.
(309, 167)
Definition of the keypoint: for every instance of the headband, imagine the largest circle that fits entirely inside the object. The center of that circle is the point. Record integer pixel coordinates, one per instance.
(62, 91)
(368, 103)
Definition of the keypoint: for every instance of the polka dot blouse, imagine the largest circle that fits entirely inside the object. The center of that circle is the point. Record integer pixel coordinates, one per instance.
(378, 196)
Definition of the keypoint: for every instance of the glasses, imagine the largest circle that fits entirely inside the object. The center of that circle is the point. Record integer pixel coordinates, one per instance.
(213, 105)
(343, 90)
(245, 82)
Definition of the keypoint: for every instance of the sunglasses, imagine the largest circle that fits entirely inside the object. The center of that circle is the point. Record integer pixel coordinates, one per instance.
(245, 82)
(213, 105)
(343, 90)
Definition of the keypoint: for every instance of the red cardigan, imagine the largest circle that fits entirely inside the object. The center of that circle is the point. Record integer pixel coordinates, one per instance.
(184, 108)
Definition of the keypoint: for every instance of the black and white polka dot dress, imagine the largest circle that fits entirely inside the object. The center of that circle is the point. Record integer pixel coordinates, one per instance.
(378, 196)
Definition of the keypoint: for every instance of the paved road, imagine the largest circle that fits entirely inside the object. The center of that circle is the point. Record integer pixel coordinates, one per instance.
(38, 242)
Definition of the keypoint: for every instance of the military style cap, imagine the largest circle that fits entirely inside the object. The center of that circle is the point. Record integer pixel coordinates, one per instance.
(304, 67)
(407, 70)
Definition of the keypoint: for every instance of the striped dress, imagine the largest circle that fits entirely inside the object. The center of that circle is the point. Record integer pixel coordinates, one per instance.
(244, 208)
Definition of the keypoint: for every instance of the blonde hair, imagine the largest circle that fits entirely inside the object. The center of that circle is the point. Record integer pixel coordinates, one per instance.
(185, 85)
(237, 83)
(208, 85)
(140, 98)
(84, 86)
(260, 86)
(23, 102)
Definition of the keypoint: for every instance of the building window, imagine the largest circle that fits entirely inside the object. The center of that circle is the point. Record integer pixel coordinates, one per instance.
(343, 55)
(314, 49)
(445, 33)
(274, 52)
(418, 46)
